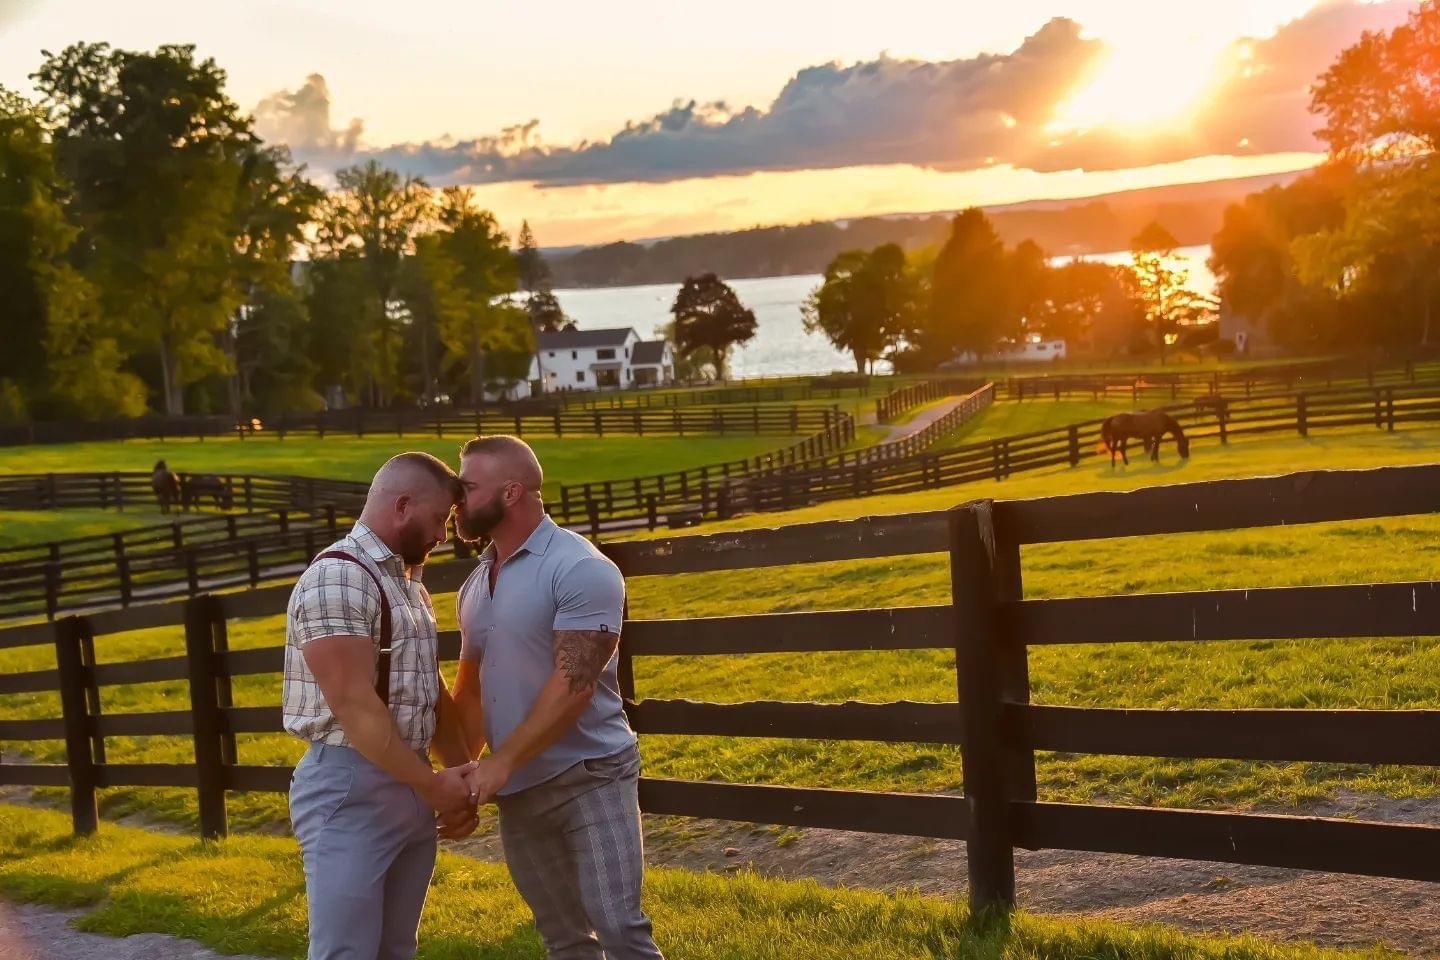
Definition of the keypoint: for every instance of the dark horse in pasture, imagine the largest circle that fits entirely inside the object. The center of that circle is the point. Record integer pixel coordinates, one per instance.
(195, 487)
(166, 484)
(1148, 427)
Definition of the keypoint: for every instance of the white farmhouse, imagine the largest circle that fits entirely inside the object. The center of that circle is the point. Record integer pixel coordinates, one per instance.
(610, 359)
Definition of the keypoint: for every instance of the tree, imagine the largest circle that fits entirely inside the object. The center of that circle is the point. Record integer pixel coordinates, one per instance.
(546, 314)
(374, 216)
(532, 272)
(708, 314)
(1090, 304)
(472, 258)
(1254, 264)
(34, 239)
(1379, 98)
(866, 303)
(166, 176)
(1161, 284)
(971, 302)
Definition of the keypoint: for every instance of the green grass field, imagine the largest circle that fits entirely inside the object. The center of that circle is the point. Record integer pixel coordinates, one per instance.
(567, 460)
(1403, 672)
(23, 527)
(246, 894)
(1006, 418)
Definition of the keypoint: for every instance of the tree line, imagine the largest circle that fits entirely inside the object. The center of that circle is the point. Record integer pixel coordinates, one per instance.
(157, 255)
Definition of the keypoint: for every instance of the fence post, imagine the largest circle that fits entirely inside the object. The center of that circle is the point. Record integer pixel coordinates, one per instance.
(1300, 421)
(201, 614)
(650, 511)
(1074, 432)
(592, 511)
(252, 562)
(1390, 409)
(74, 705)
(52, 589)
(982, 683)
(127, 589)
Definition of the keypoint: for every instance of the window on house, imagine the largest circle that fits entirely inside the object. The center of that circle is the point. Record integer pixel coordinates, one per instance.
(551, 354)
(605, 354)
(579, 376)
(574, 355)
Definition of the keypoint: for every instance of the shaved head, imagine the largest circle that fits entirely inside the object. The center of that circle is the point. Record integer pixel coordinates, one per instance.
(500, 477)
(409, 502)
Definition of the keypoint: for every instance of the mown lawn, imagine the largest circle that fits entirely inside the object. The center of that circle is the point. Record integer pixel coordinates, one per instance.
(1401, 672)
(246, 895)
(566, 460)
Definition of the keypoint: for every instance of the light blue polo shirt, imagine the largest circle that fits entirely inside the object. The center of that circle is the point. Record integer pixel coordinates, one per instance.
(557, 580)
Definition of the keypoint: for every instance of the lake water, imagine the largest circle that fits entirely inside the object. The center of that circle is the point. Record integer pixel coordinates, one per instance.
(781, 346)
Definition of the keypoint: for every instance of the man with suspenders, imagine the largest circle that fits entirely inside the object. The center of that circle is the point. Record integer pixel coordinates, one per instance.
(362, 686)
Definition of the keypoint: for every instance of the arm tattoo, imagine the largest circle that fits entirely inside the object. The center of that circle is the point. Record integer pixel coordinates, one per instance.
(582, 654)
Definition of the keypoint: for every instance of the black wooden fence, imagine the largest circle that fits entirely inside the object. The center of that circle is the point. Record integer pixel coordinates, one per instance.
(1161, 384)
(989, 626)
(557, 421)
(904, 398)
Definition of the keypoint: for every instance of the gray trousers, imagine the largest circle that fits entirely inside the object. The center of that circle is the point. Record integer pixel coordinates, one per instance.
(368, 843)
(574, 849)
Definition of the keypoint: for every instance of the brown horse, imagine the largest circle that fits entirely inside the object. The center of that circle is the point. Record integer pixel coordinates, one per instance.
(1148, 427)
(195, 487)
(166, 484)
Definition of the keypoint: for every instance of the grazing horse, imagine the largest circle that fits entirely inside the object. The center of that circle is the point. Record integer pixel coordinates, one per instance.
(1148, 427)
(196, 486)
(166, 484)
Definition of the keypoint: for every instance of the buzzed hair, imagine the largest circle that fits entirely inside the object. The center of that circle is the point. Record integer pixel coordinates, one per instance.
(418, 462)
(514, 452)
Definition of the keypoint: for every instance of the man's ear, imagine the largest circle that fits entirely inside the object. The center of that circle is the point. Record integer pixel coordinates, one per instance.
(402, 504)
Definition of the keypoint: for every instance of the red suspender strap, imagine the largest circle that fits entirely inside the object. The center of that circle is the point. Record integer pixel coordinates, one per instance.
(382, 655)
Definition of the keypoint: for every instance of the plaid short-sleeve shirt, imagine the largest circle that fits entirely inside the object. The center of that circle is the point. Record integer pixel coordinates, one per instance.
(337, 598)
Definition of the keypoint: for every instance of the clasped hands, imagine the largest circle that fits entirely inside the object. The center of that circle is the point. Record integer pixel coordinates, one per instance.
(457, 792)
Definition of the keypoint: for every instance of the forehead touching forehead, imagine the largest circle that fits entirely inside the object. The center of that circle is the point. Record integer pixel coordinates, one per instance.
(487, 461)
(425, 479)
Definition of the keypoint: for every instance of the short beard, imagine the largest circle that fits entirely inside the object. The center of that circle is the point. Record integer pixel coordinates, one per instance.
(415, 547)
(472, 526)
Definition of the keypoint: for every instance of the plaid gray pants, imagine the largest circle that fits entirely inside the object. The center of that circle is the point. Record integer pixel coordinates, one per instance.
(574, 849)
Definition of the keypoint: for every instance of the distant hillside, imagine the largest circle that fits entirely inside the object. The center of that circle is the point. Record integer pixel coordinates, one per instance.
(1091, 225)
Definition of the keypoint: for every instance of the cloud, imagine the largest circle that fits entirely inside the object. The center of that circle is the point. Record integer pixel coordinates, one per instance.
(1260, 105)
(301, 120)
(949, 115)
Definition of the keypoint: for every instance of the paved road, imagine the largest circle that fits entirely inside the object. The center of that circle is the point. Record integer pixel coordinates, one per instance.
(28, 932)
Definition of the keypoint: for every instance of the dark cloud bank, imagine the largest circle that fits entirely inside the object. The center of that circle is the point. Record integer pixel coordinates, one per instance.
(952, 115)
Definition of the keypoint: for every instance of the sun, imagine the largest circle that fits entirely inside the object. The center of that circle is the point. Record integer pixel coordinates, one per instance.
(1143, 87)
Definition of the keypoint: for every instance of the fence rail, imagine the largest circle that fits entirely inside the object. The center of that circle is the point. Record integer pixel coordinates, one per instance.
(1244, 381)
(898, 401)
(988, 624)
(523, 420)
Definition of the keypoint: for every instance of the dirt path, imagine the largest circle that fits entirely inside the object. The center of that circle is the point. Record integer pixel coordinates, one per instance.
(28, 932)
(922, 419)
(1284, 905)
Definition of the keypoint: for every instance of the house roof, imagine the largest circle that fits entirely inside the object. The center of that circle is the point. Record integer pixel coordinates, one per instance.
(572, 339)
(648, 352)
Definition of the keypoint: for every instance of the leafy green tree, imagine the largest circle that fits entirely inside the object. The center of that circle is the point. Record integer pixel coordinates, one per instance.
(866, 304)
(546, 314)
(1161, 283)
(156, 156)
(1379, 98)
(473, 274)
(971, 300)
(708, 314)
(373, 217)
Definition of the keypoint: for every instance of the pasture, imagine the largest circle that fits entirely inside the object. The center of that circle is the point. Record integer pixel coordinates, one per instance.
(1313, 673)
(566, 460)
